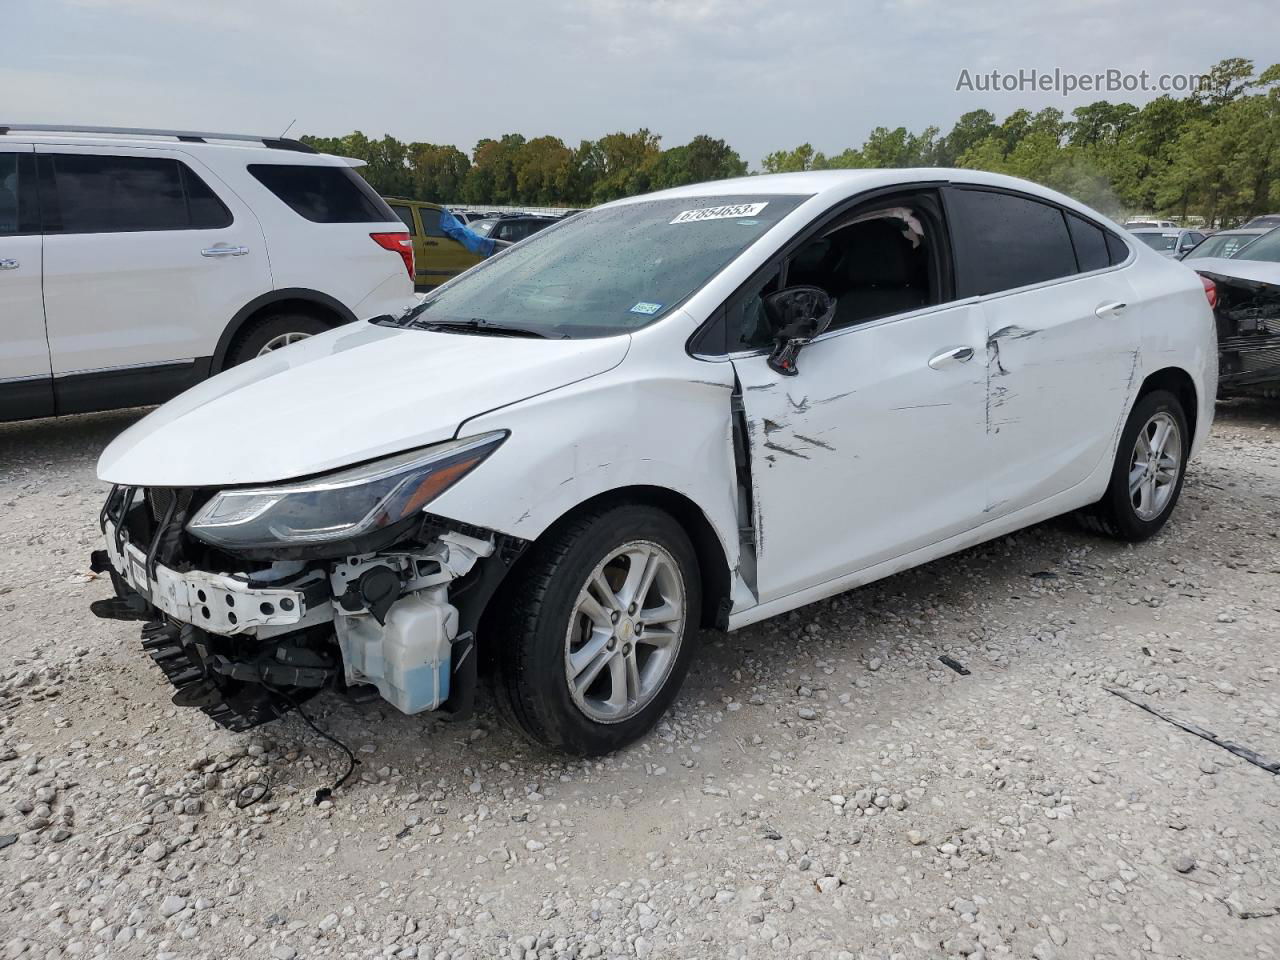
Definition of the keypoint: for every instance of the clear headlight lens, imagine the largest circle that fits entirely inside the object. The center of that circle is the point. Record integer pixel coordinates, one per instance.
(342, 505)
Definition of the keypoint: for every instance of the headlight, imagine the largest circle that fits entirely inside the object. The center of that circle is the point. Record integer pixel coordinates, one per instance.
(339, 506)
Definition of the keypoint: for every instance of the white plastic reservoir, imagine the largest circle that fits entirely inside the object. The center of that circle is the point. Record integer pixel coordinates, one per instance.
(407, 659)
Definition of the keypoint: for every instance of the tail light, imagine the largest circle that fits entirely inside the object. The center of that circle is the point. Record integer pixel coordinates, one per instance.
(1210, 291)
(397, 243)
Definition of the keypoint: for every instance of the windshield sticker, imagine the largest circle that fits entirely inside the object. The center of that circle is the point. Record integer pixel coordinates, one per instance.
(646, 308)
(726, 212)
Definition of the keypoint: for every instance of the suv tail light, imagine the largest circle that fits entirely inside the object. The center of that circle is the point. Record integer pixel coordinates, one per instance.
(400, 243)
(1210, 291)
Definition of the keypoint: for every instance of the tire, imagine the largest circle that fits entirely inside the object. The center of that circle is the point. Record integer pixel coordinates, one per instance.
(258, 335)
(545, 631)
(1117, 514)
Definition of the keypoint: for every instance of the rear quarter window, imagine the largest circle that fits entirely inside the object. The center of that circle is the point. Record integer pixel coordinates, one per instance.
(1007, 241)
(1090, 242)
(323, 194)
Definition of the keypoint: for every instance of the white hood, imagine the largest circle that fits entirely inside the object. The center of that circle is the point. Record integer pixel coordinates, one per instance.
(349, 395)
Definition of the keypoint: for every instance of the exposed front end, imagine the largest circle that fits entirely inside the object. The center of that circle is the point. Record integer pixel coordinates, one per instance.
(253, 600)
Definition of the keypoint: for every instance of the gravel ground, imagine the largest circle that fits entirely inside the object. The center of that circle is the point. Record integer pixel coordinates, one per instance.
(825, 787)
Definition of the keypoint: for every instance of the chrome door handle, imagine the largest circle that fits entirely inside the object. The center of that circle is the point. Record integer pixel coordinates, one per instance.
(1110, 310)
(224, 250)
(9, 264)
(948, 358)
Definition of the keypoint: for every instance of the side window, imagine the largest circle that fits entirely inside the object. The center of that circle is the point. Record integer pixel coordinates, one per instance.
(430, 221)
(207, 212)
(1090, 243)
(323, 194)
(18, 208)
(99, 194)
(1117, 249)
(106, 194)
(406, 216)
(1005, 241)
(875, 262)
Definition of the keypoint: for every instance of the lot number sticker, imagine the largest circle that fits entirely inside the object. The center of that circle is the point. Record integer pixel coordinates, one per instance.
(727, 212)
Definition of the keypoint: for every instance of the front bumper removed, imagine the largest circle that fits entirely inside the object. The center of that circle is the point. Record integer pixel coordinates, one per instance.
(249, 645)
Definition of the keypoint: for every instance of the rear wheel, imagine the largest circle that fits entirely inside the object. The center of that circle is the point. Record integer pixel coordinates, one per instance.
(273, 332)
(1146, 479)
(600, 631)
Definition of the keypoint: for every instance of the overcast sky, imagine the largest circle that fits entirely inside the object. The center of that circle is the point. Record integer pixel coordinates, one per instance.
(762, 75)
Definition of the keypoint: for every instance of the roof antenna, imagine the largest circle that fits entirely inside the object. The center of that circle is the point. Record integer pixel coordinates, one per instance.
(288, 128)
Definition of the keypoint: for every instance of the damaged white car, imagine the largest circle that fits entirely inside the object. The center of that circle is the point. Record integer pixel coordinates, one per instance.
(696, 408)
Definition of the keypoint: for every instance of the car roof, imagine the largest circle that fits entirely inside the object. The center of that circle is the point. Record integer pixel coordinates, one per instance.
(255, 149)
(1163, 231)
(833, 185)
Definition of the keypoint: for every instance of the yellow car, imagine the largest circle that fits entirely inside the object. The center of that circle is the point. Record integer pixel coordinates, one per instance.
(436, 257)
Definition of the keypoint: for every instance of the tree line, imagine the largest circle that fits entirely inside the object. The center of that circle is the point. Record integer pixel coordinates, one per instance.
(1213, 154)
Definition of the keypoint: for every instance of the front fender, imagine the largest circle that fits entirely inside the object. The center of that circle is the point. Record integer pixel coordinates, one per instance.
(630, 427)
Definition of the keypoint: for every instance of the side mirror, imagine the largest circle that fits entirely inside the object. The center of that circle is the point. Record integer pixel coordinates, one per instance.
(796, 316)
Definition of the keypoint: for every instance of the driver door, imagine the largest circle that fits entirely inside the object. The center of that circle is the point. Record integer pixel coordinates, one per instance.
(875, 448)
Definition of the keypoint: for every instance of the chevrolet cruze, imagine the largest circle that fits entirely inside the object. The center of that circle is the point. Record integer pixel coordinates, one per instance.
(691, 409)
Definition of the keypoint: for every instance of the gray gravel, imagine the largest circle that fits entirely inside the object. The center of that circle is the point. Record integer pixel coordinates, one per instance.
(824, 788)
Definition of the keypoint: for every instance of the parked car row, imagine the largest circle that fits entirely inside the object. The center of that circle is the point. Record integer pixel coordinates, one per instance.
(136, 263)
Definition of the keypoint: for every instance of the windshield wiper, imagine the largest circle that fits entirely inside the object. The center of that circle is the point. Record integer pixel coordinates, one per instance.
(476, 325)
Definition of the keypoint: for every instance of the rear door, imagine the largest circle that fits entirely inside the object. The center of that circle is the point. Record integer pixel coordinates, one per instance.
(1062, 340)
(147, 258)
(25, 376)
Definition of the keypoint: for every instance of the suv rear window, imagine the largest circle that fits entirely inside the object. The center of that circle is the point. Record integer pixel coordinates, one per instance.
(116, 194)
(324, 194)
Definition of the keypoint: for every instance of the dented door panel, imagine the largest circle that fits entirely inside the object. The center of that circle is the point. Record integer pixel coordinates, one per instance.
(1063, 363)
(869, 453)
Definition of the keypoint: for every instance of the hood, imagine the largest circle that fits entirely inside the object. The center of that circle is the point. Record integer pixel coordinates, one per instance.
(355, 393)
(1260, 271)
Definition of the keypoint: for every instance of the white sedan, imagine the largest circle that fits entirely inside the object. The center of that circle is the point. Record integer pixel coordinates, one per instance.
(695, 408)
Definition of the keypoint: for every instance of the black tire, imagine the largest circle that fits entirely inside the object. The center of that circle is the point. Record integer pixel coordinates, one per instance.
(531, 631)
(1115, 514)
(258, 333)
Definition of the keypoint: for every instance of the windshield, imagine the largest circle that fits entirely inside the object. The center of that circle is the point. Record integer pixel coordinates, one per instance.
(608, 270)
(1219, 245)
(1266, 247)
(1158, 241)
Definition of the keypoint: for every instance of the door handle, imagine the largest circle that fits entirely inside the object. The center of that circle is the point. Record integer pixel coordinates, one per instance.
(9, 264)
(224, 250)
(431, 243)
(950, 357)
(1110, 310)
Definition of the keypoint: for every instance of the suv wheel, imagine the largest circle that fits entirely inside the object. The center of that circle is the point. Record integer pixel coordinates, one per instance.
(1146, 479)
(273, 332)
(600, 631)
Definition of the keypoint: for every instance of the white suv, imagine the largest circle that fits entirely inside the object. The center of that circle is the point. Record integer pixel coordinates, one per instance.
(135, 263)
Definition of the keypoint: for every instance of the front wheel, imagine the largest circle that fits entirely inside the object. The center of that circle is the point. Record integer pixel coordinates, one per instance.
(1150, 464)
(599, 632)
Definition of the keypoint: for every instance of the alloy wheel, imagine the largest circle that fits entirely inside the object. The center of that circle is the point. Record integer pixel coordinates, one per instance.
(283, 340)
(625, 632)
(1154, 466)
